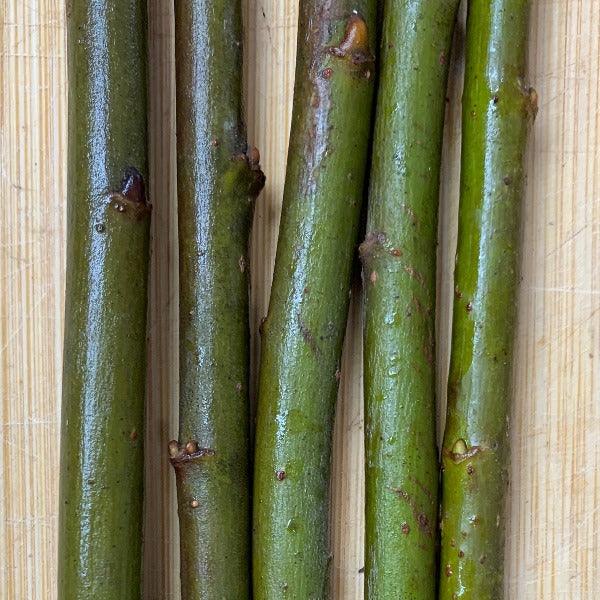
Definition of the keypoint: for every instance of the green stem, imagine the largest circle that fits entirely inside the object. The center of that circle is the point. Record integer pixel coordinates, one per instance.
(399, 260)
(303, 333)
(101, 482)
(217, 182)
(497, 112)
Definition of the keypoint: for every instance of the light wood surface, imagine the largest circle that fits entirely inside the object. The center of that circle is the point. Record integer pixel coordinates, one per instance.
(553, 548)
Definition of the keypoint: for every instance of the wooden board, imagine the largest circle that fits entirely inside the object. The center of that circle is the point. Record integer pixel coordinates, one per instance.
(554, 532)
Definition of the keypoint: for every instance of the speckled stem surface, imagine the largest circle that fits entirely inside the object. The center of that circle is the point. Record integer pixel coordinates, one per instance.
(218, 179)
(399, 274)
(101, 479)
(304, 329)
(498, 109)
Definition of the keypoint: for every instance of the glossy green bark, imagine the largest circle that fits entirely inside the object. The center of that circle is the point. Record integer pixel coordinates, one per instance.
(101, 484)
(303, 332)
(497, 112)
(399, 273)
(217, 182)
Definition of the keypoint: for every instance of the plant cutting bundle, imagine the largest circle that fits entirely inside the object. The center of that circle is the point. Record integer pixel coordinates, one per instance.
(275, 545)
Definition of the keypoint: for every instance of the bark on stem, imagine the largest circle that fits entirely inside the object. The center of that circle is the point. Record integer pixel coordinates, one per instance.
(101, 479)
(497, 112)
(218, 179)
(399, 274)
(303, 332)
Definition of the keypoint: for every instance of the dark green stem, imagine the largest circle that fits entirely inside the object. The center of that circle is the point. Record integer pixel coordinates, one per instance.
(303, 332)
(217, 182)
(100, 537)
(497, 111)
(399, 260)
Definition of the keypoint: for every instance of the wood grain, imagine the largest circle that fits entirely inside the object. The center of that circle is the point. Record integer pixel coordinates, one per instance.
(554, 533)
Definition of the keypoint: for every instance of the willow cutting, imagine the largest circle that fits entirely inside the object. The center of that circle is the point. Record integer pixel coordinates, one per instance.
(497, 112)
(399, 266)
(303, 332)
(218, 180)
(100, 530)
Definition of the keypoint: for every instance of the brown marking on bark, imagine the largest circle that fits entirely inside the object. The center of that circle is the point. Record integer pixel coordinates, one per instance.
(308, 336)
(443, 58)
(194, 504)
(180, 454)
(507, 180)
(133, 187)
(130, 200)
(253, 176)
(448, 570)
(405, 528)
(401, 494)
(356, 37)
(280, 475)
(254, 157)
(354, 48)
(457, 293)
(327, 73)
(418, 306)
(373, 243)
(532, 103)
(428, 352)
(422, 487)
(420, 517)
(133, 436)
(470, 469)
(469, 307)
(423, 523)
(415, 274)
(373, 277)
(461, 554)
